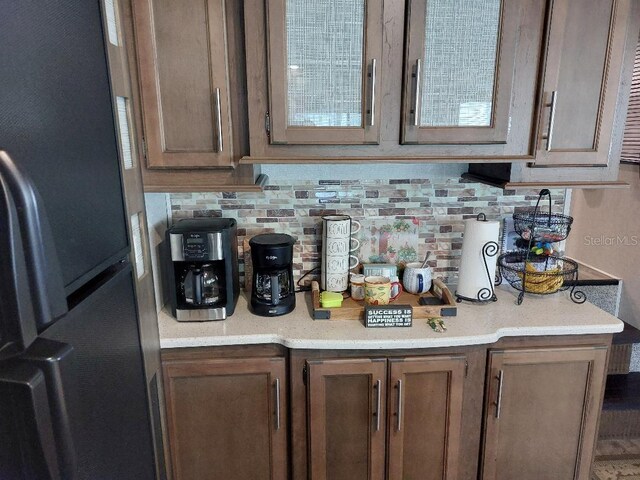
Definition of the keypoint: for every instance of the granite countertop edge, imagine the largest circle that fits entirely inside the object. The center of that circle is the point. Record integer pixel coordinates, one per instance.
(474, 325)
(391, 344)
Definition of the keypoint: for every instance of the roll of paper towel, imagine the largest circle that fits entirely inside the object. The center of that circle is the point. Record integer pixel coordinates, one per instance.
(472, 275)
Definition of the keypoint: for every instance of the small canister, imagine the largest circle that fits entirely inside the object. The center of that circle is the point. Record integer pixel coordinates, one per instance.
(357, 286)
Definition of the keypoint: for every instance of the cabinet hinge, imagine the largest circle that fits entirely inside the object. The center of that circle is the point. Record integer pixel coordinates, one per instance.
(267, 124)
(304, 374)
(466, 368)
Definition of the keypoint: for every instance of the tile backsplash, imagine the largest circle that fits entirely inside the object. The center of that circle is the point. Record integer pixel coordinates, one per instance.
(432, 210)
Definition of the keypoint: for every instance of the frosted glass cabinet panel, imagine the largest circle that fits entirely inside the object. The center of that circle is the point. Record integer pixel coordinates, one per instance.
(324, 71)
(324, 63)
(459, 63)
(460, 60)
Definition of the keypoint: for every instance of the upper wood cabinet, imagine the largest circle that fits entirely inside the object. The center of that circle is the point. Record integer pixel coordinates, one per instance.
(182, 55)
(188, 62)
(581, 82)
(542, 412)
(339, 79)
(583, 100)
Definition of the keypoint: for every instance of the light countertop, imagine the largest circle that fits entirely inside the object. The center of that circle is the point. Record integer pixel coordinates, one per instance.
(475, 324)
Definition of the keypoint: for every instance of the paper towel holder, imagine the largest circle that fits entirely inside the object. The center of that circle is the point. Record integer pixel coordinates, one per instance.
(489, 249)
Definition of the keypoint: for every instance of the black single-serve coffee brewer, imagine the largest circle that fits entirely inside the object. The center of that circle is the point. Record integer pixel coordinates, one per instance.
(273, 289)
(203, 270)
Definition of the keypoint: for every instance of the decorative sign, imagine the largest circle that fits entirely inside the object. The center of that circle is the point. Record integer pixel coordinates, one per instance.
(388, 315)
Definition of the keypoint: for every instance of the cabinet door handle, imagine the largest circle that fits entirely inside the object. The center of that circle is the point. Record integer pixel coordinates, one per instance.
(500, 384)
(378, 399)
(277, 404)
(372, 111)
(416, 101)
(552, 118)
(399, 419)
(218, 120)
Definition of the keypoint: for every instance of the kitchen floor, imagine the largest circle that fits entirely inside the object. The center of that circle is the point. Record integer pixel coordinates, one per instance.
(618, 447)
(617, 460)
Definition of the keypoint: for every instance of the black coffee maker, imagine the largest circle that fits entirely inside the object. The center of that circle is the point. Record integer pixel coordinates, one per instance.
(273, 289)
(203, 269)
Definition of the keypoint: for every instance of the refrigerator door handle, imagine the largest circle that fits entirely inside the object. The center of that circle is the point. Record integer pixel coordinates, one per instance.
(17, 321)
(52, 358)
(25, 413)
(43, 272)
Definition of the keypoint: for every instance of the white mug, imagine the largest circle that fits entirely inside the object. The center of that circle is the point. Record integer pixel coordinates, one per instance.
(335, 282)
(339, 226)
(416, 279)
(340, 246)
(341, 264)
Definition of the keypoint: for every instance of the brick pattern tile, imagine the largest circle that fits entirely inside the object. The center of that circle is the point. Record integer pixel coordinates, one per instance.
(440, 206)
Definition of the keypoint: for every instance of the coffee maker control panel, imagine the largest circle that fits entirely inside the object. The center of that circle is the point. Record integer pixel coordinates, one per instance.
(196, 246)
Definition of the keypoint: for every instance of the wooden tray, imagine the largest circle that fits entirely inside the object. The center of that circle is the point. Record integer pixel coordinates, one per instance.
(354, 309)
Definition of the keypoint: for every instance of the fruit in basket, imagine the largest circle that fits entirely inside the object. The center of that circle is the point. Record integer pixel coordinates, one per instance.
(541, 282)
(542, 248)
(552, 237)
(549, 285)
(543, 234)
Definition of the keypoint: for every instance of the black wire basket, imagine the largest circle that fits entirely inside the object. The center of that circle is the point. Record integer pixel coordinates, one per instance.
(540, 274)
(546, 227)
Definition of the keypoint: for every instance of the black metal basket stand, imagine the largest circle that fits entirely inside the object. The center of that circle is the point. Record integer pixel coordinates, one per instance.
(559, 273)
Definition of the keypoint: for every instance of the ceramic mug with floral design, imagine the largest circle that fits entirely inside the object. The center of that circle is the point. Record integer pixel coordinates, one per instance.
(377, 290)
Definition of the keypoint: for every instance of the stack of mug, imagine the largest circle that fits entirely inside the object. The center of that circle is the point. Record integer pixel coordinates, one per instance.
(337, 245)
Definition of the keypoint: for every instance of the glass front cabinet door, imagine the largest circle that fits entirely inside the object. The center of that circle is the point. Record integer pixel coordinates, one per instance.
(381, 79)
(461, 62)
(324, 71)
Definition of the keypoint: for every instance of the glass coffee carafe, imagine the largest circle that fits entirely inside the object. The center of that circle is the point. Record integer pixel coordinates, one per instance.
(202, 286)
(271, 287)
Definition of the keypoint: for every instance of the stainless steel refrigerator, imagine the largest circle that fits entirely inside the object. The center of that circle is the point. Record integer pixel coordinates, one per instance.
(73, 397)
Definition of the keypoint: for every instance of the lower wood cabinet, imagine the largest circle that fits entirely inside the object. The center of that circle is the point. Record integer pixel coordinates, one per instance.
(373, 418)
(521, 408)
(542, 411)
(425, 421)
(227, 418)
(346, 403)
